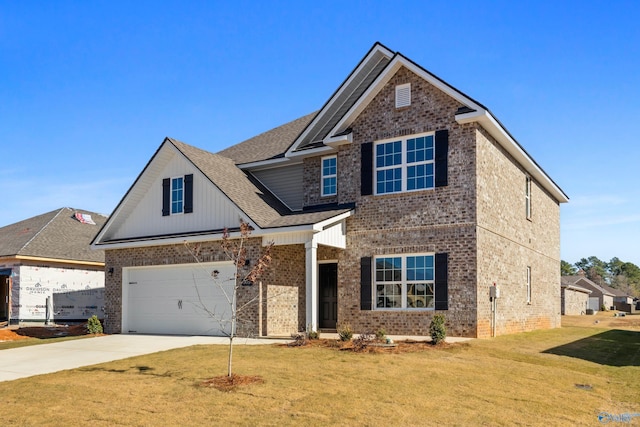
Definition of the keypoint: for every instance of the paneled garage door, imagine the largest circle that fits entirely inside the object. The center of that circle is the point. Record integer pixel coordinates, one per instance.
(175, 299)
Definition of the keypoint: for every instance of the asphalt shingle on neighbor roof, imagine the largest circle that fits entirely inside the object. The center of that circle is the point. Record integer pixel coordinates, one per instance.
(268, 145)
(56, 234)
(247, 193)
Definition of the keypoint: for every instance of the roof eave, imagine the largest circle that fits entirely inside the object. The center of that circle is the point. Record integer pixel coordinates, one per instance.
(376, 48)
(504, 138)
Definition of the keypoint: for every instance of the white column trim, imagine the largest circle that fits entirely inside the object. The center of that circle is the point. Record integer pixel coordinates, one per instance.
(311, 258)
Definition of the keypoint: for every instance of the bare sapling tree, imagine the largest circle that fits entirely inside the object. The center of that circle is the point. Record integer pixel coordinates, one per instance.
(235, 250)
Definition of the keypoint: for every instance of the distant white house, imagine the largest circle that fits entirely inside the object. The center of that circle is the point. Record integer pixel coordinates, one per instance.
(47, 269)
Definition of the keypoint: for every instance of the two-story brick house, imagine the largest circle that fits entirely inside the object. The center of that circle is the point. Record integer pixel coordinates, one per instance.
(400, 198)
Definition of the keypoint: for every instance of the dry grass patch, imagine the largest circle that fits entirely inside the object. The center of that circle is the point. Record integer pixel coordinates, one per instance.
(509, 380)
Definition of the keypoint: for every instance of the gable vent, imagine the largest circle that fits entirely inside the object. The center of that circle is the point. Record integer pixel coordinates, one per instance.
(403, 95)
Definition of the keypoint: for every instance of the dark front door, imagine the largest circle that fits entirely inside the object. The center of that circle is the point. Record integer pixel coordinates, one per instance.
(328, 282)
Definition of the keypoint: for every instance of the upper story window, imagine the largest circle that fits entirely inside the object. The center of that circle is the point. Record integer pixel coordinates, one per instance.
(403, 95)
(177, 195)
(329, 176)
(527, 197)
(405, 282)
(405, 164)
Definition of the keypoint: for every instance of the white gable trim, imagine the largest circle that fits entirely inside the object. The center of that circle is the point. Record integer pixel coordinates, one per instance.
(488, 122)
(396, 63)
(132, 198)
(355, 74)
(479, 114)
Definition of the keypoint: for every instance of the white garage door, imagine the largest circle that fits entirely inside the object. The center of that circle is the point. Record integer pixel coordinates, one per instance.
(175, 299)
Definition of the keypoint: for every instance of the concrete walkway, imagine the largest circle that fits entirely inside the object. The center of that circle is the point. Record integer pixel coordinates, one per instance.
(41, 359)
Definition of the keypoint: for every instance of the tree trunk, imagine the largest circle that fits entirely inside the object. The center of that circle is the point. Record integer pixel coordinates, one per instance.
(229, 372)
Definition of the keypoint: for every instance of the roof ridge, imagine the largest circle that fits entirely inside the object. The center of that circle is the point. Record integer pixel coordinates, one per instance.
(41, 230)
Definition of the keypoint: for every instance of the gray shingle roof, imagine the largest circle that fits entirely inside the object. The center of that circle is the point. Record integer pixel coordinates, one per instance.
(268, 145)
(247, 193)
(56, 234)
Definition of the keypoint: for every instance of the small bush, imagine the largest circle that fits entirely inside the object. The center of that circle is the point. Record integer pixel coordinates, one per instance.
(363, 341)
(312, 335)
(437, 329)
(381, 334)
(93, 325)
(299, 340)
(345, 332)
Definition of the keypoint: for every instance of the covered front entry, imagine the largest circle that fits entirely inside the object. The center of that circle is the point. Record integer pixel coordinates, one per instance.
(328, 286)
(186, 299)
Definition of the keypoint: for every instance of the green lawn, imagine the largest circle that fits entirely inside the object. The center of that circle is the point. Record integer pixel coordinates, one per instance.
(565, 376)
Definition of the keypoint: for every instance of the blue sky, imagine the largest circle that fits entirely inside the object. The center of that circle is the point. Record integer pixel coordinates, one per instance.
(88, 90)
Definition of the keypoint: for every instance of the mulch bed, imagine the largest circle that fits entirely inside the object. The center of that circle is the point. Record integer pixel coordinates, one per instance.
(226, 383)
(408, 346)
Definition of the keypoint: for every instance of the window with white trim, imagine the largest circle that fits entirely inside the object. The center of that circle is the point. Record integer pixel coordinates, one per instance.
(405, 282)
(403, 95)
(528, 285)
(177, 195)
(527, 197)
(405, 164)
(329, 176)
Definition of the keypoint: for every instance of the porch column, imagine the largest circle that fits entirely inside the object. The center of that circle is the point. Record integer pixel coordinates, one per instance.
(312, 284)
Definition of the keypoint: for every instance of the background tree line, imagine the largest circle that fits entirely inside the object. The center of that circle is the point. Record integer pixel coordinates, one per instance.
(615, 273)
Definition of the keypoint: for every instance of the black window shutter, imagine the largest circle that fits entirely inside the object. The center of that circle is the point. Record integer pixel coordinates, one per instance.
(188, 193)
(365, 283)
(441, 158)
(166, 196)
(366, 169)
(441, 286)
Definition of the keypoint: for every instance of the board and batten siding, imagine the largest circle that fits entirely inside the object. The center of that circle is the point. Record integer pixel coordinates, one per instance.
(212, 210)
(285, 183)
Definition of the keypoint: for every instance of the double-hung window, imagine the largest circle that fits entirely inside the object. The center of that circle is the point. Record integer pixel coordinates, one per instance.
(405, 282)
(329, 178)
(528, 278)
(405, 164)
(177, 195)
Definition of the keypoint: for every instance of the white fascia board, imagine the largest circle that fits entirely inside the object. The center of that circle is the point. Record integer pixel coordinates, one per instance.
(355, 73)
(337, 141)
(129, 194)
(512, 147)
(396, 63)
(265, 164)
(319, 226)
(311, 152)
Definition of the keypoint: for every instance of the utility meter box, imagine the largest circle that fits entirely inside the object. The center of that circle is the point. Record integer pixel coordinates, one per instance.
(494, 292)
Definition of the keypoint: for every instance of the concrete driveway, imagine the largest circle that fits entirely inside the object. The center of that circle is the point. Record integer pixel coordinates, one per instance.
(46, 358)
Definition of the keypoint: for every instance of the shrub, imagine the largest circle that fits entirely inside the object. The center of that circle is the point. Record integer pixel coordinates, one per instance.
(299, 340)
(381, 334)
(93, 325)
(362, 342)
(345, 332)
(437, 329)
(311, 334)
